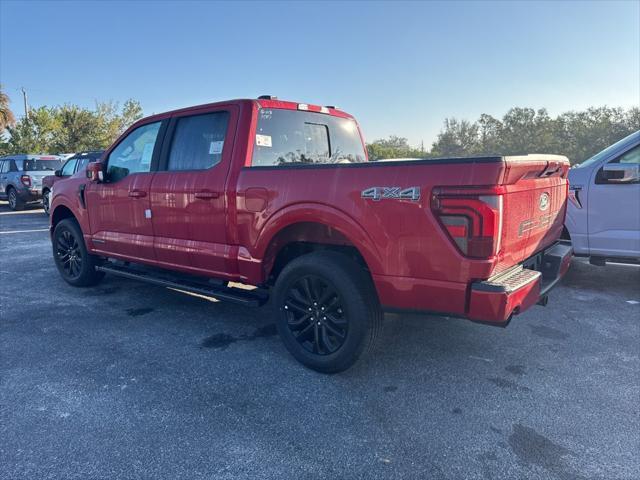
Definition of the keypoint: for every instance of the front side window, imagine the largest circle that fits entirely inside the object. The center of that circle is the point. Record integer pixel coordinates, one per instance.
(134, 153)
(68, 168)
(632, 156)
(198, 141)
(4, 166)
(294, 137)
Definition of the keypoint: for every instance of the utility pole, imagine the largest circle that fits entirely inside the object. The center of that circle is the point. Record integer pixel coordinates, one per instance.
(26, 105)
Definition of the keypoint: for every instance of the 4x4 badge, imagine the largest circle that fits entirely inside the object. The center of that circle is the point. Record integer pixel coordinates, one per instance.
(395, 193)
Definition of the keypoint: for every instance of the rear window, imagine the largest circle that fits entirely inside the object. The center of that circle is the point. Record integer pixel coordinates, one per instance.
(293, 137)
(37, 165)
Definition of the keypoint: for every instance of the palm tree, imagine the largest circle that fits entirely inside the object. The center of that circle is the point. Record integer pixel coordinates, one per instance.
(7, 118)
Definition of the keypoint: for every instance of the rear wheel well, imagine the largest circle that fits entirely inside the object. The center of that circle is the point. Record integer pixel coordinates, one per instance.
(303, 238)
(59, 214)
(293, 250)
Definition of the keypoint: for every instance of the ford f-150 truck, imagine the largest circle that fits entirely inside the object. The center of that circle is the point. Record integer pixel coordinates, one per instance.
(281, 196)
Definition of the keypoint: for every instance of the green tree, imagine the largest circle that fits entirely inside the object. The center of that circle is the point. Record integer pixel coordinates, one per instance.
(578, 135)
(70, 128)
(36, 134)
(392, 147)
(459, 138)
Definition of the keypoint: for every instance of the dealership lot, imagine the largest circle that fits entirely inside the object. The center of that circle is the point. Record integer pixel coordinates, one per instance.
(127, 380)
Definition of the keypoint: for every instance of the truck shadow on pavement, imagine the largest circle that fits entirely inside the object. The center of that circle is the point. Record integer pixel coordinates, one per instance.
(425, 338)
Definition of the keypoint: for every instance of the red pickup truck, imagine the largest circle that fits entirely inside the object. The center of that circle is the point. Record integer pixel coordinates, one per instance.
(281, 196)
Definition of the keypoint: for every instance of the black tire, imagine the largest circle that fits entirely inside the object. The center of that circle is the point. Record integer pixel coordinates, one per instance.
(45, 201)
(328, 312)
(15, 203)
(75, 264)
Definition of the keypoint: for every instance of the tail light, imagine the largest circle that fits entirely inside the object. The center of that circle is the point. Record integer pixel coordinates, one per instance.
(472, 218)
(26, 180)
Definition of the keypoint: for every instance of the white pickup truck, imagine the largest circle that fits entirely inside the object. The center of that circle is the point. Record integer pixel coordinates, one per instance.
(603, 218)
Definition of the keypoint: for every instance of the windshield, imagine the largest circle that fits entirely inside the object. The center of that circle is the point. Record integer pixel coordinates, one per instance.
(36, 165)
(286, 137)
(611, 149)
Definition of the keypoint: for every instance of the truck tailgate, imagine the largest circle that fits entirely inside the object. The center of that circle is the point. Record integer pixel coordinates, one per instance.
(534, 205)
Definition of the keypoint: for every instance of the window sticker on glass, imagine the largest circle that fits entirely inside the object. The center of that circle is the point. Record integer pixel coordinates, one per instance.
(147, 153)
(215, 148)
(263, 140)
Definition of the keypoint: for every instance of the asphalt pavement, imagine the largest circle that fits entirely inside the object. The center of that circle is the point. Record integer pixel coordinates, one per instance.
(130, 381)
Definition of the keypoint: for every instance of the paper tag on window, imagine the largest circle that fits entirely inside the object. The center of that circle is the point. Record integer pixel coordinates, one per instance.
(215, 148)
(263, 140)
(147, 153)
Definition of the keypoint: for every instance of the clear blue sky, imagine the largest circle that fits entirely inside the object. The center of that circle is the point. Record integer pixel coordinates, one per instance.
(401, 68)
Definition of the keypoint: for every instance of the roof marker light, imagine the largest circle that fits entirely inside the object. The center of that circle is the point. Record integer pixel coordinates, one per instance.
(303, 106)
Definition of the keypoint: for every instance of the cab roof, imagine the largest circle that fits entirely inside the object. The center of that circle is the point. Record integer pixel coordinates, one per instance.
(272, 102)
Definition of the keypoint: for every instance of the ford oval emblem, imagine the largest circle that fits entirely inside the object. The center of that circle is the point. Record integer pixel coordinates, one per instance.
(544, 201)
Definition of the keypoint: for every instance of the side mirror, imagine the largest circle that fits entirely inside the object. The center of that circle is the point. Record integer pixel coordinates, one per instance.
(621, 173)
(95, 172)
(58, 173)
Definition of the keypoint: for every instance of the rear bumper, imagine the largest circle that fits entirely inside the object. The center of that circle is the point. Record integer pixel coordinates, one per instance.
(493, 301)
(30, 194)
(512, 292)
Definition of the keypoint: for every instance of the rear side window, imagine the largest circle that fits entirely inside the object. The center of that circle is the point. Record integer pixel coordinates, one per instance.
(198, 141)
(293, 137)
(37, 165)
(4, 166)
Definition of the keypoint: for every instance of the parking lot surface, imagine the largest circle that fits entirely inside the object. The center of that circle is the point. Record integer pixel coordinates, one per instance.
(127, 380)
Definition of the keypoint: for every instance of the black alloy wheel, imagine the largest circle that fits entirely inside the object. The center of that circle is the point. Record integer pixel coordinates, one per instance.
(69, 254)
(76, 266)
(316, 316)
(328, 310)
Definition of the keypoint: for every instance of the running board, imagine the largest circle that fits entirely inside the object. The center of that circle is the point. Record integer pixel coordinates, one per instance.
(250, 298)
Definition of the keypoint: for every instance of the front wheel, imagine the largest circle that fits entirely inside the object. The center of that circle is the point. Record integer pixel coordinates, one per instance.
(328, 310)
(75, 264)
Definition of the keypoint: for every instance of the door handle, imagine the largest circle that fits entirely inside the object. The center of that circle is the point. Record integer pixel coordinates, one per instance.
(206, 195)
(137, 193)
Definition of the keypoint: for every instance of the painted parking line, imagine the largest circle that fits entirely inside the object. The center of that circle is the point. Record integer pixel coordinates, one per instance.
(27, 231)
(22, 212)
